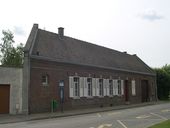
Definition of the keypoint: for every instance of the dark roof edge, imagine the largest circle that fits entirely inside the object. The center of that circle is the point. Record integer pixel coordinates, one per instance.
(149, 68)
(116, 69)
(31, 39)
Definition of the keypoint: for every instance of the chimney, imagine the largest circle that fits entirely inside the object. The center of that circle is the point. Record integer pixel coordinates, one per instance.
(61, 32)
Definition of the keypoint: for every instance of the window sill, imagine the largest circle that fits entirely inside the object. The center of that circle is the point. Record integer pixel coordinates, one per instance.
(89, 97)
(76, 97)
(101, 96)
(45, 85)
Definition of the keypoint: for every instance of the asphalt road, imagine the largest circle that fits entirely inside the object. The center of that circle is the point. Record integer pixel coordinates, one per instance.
(140, 117)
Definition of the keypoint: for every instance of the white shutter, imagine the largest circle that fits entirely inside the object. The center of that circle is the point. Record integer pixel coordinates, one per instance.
(71, 87)
(94, 86)
(97, 86)
(107, 87)
(133, 88)
(85, 87)
(122, 87)
(81, 86)
(116, 87)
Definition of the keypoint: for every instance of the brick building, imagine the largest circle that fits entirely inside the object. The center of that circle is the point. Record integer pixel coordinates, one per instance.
(79, 74)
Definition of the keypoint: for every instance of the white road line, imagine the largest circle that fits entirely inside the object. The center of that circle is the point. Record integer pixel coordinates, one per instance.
(157, 115)
(142, 116)
(104, 125)
(165, 110)
(121, 124)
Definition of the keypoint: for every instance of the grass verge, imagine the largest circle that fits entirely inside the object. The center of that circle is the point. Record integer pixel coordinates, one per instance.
(165, 124)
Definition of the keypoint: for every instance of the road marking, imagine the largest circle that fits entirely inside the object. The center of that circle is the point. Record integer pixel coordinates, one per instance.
(157, 115)
(91, 127)
(142, 116)
(121, 124)
(165, 110)
(114, 113)
(99, 115)
(104, 126)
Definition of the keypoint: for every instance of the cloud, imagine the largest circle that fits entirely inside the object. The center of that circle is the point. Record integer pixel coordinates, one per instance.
(150, 15)
(18, 30)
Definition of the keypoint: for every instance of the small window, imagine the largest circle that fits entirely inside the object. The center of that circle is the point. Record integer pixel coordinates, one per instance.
(133, 88)
(45, 79)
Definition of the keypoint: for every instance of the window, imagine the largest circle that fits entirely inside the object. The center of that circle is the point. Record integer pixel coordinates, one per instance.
(89, 86)
(76, 86)
(101, 89)
(119, 87)
(110, 87)
(45, 79)
(133, 87)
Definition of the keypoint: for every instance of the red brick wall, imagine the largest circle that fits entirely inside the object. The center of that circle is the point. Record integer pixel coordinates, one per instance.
(41, 96)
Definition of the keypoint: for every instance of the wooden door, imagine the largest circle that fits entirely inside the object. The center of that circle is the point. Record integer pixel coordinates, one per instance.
(145, 90)
(4, 99)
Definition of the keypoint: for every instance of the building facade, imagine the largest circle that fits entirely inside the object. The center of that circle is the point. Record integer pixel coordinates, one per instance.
(11, 90)
(78, 74)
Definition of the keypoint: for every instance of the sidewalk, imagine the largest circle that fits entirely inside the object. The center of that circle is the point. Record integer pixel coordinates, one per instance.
(6, 118)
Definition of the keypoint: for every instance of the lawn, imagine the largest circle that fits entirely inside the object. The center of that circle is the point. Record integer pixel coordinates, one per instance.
(165, 124)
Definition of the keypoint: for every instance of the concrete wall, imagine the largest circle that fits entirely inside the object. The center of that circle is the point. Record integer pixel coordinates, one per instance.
(13, 77)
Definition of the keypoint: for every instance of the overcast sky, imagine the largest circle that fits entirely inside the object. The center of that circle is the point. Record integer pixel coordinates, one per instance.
(139, 27)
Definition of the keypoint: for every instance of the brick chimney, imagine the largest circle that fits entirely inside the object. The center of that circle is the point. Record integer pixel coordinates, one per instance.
(61, 32)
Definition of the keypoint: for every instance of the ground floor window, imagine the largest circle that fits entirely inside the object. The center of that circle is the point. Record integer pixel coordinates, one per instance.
(110, 87)
(119, 87)
(101, 89)
(76, 87)
(89, 85)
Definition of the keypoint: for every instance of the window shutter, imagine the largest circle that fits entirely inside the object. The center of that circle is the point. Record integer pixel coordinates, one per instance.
(97, 86)
(85, 87)
(94, 86)
(122, 87)
(116, 87)
(107, 87)
(71, 89)
(81, 86)
(133, 88)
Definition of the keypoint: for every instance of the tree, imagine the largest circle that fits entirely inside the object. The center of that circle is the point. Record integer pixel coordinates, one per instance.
(10, 55)
(163, 81)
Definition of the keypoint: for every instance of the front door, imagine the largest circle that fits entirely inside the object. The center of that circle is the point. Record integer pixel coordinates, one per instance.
(145, 90)
(126, 91)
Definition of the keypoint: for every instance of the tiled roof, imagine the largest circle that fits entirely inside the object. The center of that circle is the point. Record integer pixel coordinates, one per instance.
(70, 50)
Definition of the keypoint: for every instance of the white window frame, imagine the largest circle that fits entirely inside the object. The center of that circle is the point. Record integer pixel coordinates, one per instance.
(45, 80)
(133, 85)
(76, 83)
(119, 87)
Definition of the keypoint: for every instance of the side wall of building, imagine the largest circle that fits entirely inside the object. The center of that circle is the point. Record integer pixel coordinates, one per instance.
(13, 77)
(41, 96)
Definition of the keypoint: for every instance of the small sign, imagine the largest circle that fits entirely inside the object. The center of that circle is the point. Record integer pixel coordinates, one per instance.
(61, 84)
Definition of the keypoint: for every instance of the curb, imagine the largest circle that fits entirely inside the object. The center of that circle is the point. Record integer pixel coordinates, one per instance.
(29, 118)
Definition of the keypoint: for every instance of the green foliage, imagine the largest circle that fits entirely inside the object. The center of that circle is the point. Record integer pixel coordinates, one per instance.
(163, 82)
(10, 55)
(165, 124)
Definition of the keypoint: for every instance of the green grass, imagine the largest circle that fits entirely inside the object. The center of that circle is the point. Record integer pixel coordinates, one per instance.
(165, 124)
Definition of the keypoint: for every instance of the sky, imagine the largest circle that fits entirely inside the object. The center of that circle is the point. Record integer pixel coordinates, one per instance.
(140, 27)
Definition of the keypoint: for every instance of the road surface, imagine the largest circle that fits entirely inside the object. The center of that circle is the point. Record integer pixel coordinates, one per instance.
(140, 117)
